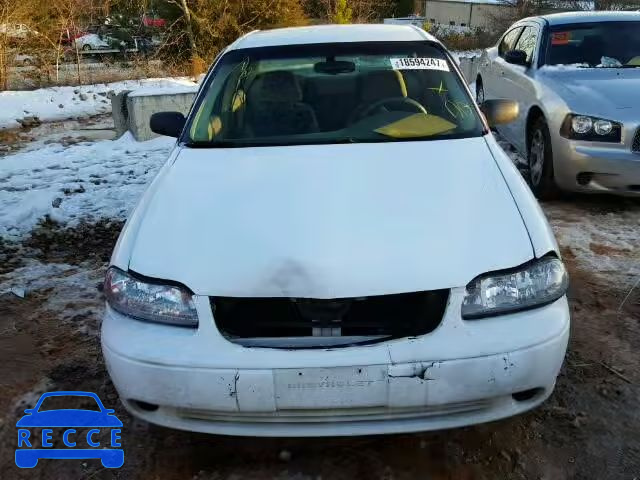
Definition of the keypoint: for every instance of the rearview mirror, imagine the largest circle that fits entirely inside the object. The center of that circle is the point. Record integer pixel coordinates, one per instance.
(516, 57)
(169, 124)
(334, 67)
(499, 112)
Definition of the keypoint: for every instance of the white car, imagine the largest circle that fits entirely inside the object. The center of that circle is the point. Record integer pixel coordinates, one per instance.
(91, 41)
(336, 246)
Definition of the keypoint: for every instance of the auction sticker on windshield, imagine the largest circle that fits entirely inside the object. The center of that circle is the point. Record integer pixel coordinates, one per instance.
(422, 63)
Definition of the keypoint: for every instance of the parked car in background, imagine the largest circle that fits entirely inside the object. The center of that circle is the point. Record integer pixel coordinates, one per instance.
(577, 79)
(337, 245)
(92, 41)
(151, 19)
(15, 31)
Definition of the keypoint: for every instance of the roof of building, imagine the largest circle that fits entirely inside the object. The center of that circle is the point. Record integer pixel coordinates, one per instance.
(586, 17)
(331, 34)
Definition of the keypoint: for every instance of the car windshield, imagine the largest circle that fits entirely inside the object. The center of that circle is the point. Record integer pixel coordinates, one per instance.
(66, 402)
(333, 93)
(606, 44)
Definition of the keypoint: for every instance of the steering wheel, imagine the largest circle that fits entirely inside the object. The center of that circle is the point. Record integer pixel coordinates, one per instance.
(384, 102)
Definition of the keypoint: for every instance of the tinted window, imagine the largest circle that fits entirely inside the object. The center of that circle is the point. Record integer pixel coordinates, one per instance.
(605, 44)
(509, 41)
(527, 42)
(333, 93)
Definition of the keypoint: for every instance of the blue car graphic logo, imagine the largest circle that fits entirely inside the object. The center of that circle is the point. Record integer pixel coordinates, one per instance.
(67, 423)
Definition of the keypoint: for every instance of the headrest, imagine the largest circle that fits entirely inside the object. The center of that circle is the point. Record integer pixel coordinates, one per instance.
(278, 86)
(382, 84)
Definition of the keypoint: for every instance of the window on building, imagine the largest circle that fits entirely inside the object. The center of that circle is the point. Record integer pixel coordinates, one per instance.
(452, 23)
(463, 24)
(432, 20)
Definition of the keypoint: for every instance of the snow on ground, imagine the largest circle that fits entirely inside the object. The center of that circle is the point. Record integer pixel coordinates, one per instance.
(598, 239)
(61, 103)
(84, 181)
(71, 290)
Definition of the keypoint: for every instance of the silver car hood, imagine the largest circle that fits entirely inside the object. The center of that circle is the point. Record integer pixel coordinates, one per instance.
(596, 91)
(328, 221)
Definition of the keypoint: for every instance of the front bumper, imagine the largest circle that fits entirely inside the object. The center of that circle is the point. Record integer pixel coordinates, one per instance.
(610, 168)
(463, 373)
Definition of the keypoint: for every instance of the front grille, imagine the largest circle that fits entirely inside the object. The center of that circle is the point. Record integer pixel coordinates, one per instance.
(350, 414)
(349, 319)
(636, 143)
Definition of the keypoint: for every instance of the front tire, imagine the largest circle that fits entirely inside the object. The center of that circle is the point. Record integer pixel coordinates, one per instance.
(540, 160)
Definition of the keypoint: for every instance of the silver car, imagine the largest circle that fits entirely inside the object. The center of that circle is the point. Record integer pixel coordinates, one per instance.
(577, 79)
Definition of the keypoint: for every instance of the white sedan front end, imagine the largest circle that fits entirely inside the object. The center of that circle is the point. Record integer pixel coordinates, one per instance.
(334, 249)
(463, 373)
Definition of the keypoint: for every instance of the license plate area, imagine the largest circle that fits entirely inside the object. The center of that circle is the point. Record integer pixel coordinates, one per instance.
(337, 387)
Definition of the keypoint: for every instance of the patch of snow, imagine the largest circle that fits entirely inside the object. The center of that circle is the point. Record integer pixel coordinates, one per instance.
(563, 67)
(77, 102)
(603, 242)
(71, 290)
(147, 92)
(84, 181)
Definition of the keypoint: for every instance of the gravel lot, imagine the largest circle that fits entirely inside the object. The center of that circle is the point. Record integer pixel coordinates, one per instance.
(50, 305)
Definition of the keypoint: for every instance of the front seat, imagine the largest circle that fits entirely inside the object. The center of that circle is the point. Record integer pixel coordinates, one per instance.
(379, 85)
(593, 49)
(275, 107)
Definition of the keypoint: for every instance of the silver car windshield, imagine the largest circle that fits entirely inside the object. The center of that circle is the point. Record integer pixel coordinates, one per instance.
(333, 93)
(605, 45)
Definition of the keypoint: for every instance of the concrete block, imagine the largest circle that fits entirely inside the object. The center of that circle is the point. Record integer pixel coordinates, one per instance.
(141, 105)
(119, 112)
(469, 67)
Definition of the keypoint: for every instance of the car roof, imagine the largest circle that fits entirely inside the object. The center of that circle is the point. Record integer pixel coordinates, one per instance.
(587, 17)
(331, 34)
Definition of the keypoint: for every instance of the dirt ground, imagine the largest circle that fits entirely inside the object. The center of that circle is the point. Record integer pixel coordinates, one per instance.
(588, 429)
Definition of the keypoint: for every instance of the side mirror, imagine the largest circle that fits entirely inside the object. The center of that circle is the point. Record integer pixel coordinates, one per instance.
(516, 57)
(169, 124)
(29, 411)
(499, 112)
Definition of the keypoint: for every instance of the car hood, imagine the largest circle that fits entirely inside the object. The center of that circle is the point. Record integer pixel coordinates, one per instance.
(329, 221)
(596, 91)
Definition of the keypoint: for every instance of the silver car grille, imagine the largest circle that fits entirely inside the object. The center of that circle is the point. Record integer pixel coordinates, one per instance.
(636, 142)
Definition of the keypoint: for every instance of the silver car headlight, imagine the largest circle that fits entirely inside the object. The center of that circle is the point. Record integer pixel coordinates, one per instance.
(533, 285)
(148, 301)
(592, 129)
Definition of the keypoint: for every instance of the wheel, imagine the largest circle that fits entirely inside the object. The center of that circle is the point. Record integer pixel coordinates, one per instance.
(86, 47)
(540, 161)
(479, 92)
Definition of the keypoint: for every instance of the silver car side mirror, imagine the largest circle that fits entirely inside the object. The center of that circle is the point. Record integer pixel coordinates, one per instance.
(499, 112)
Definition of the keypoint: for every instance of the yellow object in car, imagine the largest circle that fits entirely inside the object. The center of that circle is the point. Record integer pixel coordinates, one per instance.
(417, 125)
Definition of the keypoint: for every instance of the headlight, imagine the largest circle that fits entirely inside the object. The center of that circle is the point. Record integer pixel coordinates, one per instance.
(149, 301)
(533, 285)
(592, 129)
(581, 125)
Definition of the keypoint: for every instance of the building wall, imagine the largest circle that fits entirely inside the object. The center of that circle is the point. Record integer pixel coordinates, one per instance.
(443, 12)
